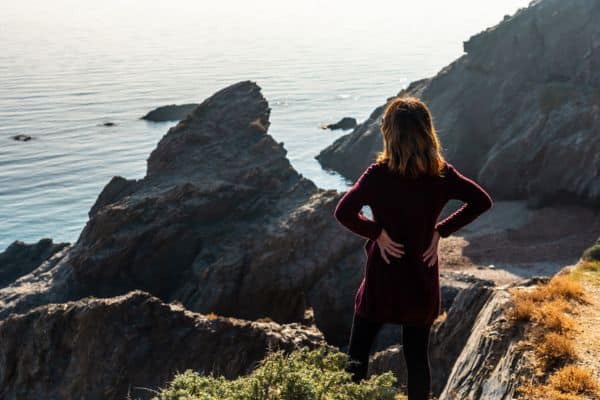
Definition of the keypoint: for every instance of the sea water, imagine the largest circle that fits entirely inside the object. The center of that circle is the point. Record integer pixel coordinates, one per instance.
(67, 67)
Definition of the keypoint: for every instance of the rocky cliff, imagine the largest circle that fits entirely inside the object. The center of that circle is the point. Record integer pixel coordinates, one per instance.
(128, 345)
(520, 111)
(221, 222)
(21, 258)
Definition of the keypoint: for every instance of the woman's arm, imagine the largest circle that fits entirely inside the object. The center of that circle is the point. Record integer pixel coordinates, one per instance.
(347, 211)
(476, 199)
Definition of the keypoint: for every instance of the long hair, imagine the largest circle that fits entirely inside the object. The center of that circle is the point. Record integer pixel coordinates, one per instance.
(411, 146)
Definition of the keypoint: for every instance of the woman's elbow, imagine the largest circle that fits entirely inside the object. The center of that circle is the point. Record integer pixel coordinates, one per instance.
(338, 213)
(487, 202)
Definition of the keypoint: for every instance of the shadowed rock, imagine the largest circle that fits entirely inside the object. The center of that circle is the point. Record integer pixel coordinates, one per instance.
(221, 222)
(128, 345)
(172, 112)
(22, 138)
(520, 111)
(21, 258)
(344, 123)
(491, 362)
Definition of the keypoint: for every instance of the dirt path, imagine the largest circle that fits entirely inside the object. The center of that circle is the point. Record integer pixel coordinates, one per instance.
(511, 242)
(587, 342)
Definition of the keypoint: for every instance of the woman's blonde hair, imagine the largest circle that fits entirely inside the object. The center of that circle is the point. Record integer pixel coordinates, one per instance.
(411, 146)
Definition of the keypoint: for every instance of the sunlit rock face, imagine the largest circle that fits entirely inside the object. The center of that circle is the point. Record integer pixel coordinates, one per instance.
(520, 111)
(221, 222)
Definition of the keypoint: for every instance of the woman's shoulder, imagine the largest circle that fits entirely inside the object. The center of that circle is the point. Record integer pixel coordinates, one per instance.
(374, 168)
(448, 170)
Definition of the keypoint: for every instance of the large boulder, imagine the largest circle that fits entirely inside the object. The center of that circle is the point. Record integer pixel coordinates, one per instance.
(520, 111)
(21, 258)
(129, 346)
(221, 222)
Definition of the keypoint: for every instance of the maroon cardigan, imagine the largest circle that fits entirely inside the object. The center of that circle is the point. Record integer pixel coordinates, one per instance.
(405, 291)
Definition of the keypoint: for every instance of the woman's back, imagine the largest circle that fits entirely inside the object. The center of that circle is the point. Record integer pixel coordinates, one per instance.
(408, 208)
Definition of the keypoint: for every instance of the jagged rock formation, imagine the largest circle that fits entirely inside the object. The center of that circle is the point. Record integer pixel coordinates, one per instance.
(109, 348)
(21, 258)
(447, 339)
(221, 222)
(525, 97)
(491, 362)
(171, 112)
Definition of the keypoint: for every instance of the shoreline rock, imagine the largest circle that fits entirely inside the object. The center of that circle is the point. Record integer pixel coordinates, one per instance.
(221, 223)
(519, 112)
(22, 138)
(171, 112)
(343, 124)
(21, 258)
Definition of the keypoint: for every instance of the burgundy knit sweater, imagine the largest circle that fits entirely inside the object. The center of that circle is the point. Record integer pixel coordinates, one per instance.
(405, 291)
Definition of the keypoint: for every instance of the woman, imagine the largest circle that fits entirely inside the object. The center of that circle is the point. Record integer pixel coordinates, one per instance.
(406, 188)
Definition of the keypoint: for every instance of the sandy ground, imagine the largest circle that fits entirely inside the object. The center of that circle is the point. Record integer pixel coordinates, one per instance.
(510, 242)
(587, 342)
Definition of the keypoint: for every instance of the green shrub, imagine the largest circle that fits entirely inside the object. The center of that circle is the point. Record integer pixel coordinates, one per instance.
(301, 375)
(592, 253)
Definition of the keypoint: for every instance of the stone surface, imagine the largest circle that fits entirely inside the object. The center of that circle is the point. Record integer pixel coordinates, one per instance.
(344, 124)
(519, 112)
(22, 138)
(171, 112)
(491, 360)
(221, 222)
(21, 258)
(128, 345)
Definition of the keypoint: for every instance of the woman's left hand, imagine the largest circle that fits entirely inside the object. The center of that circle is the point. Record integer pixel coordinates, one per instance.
(430, 255)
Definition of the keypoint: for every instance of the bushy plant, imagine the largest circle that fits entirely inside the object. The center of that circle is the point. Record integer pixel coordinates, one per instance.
(304, 374)
(592, 253)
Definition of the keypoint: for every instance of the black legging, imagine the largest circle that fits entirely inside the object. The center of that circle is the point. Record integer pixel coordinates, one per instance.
(415, 345)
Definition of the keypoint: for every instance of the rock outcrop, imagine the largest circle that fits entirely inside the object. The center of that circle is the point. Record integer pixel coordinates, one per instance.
(520, 111)
(171, 112)
(21, 258)
(221, 222)
(128, 345)
(344, 124)
(491, 362)
(22, 138)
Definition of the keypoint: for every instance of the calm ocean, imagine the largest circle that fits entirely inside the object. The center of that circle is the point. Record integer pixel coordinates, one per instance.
(67, 66)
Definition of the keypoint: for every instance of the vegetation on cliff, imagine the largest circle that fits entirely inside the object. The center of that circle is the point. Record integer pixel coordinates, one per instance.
(553, 313)
(301, 375)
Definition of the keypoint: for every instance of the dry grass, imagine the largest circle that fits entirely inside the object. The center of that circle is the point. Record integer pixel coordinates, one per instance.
(568, 383)
(575, 380)
(559, 287)
(548, 311)
(552, 316)
(556, 348)
(442, 317)
(211, 316)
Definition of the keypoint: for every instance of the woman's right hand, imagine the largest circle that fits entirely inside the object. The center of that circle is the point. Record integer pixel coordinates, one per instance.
(387, 245)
